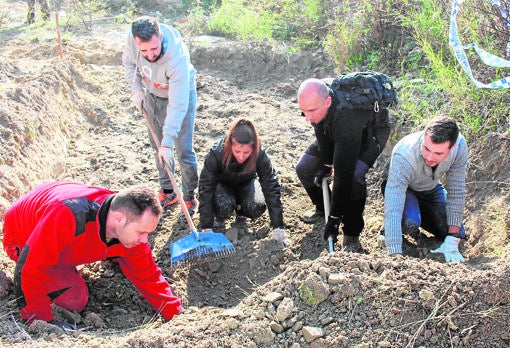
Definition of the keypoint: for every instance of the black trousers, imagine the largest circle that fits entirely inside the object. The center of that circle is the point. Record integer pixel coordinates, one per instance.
(247, 200)
(352, 220)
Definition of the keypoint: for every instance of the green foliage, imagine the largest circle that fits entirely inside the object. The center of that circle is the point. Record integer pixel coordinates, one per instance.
(307, 296)
(407, 39)
(282, 20)
(83, 12)
(4, 18)
(343, 43)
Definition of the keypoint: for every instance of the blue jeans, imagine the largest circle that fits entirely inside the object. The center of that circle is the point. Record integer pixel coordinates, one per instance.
(156, 110)
(426, 209)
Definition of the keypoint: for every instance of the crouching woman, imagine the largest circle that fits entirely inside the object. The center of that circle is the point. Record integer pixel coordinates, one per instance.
(238, 178)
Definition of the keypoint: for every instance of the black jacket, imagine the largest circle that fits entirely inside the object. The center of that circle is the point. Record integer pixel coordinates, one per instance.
(215, 172)
(344, 136)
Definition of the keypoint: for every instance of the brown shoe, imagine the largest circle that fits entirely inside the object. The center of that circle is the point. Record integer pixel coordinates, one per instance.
(312, 216)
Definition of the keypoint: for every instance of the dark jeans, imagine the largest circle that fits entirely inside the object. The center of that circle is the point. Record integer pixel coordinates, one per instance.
(352, 220)
(247, 200)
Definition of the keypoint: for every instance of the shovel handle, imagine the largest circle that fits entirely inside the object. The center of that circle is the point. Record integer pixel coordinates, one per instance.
(327, 208)
(177, 190)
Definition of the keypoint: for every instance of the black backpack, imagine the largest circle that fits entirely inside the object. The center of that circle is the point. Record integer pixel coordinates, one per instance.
(369, 90)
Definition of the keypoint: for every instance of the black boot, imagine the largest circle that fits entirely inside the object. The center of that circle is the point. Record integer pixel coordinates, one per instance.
(351, 244)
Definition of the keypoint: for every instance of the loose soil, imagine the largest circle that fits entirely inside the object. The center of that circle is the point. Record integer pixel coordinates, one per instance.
(72, 118)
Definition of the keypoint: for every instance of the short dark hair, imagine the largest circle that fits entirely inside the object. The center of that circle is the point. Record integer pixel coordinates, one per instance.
(135, 200)
(442, 129)
(145, 27)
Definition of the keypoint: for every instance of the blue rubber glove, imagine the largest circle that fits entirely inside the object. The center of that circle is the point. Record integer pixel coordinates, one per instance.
(360, 172)
(450, 249)
(63, 325)
(331, 228)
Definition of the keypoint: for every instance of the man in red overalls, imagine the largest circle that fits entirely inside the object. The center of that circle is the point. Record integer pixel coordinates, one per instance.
(60, 225)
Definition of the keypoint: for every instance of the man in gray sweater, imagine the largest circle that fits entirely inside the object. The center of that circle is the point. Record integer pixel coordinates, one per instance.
(413, 194)
(163, 83)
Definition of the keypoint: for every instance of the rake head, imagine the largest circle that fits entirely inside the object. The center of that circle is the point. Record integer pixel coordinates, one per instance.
(200, 247)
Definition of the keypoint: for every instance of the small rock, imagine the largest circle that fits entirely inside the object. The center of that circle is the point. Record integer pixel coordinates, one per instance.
(259, 314)
(276, 327)
(232, 323)
(263, 336)
(201, 273)
(427, 295)
(272, 297)
(376, 265)
(285, 309)
(313, 290)
(312, 333)
(337, 278)
(93, 319)
(275, 260)
(215, 266)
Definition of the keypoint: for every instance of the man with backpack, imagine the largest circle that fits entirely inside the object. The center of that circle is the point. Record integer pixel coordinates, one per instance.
(348, 141)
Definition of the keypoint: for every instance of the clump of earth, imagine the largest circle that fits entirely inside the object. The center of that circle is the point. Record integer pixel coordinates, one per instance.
(72, 119)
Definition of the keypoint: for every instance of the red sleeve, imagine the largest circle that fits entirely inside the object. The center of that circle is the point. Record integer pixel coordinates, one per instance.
(141, 269)
(49, 238)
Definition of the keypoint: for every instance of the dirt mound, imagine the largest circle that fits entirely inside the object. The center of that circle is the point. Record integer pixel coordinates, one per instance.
(72, 119)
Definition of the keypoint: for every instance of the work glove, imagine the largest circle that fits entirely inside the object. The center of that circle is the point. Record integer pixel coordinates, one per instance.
(137, 99)
(166, 155)
(64, 325)
(325, 170)
(279, 235)
(450, 249)
(360, 172)
(331, 228)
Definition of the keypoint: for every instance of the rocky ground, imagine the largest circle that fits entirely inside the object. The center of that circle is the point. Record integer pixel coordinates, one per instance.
(71, 118)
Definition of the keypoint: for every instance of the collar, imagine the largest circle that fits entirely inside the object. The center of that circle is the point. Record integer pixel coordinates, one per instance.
(102, 214)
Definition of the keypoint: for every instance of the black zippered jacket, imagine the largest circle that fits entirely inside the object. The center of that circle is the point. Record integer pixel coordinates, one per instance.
(215, 172)
(344, 136)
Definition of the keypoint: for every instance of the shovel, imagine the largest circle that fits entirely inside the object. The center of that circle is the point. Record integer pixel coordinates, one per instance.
(325, 195)
(197, 247)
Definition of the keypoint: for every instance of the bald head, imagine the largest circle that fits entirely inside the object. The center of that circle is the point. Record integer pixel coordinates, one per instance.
(313, 86)
(314, 99)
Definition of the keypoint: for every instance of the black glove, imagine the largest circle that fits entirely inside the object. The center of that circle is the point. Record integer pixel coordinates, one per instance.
(63, 325)
(331, 228)
(321, 173)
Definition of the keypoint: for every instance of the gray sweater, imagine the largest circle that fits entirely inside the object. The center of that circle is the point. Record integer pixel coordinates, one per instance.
(172, 76)
(408, 170)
